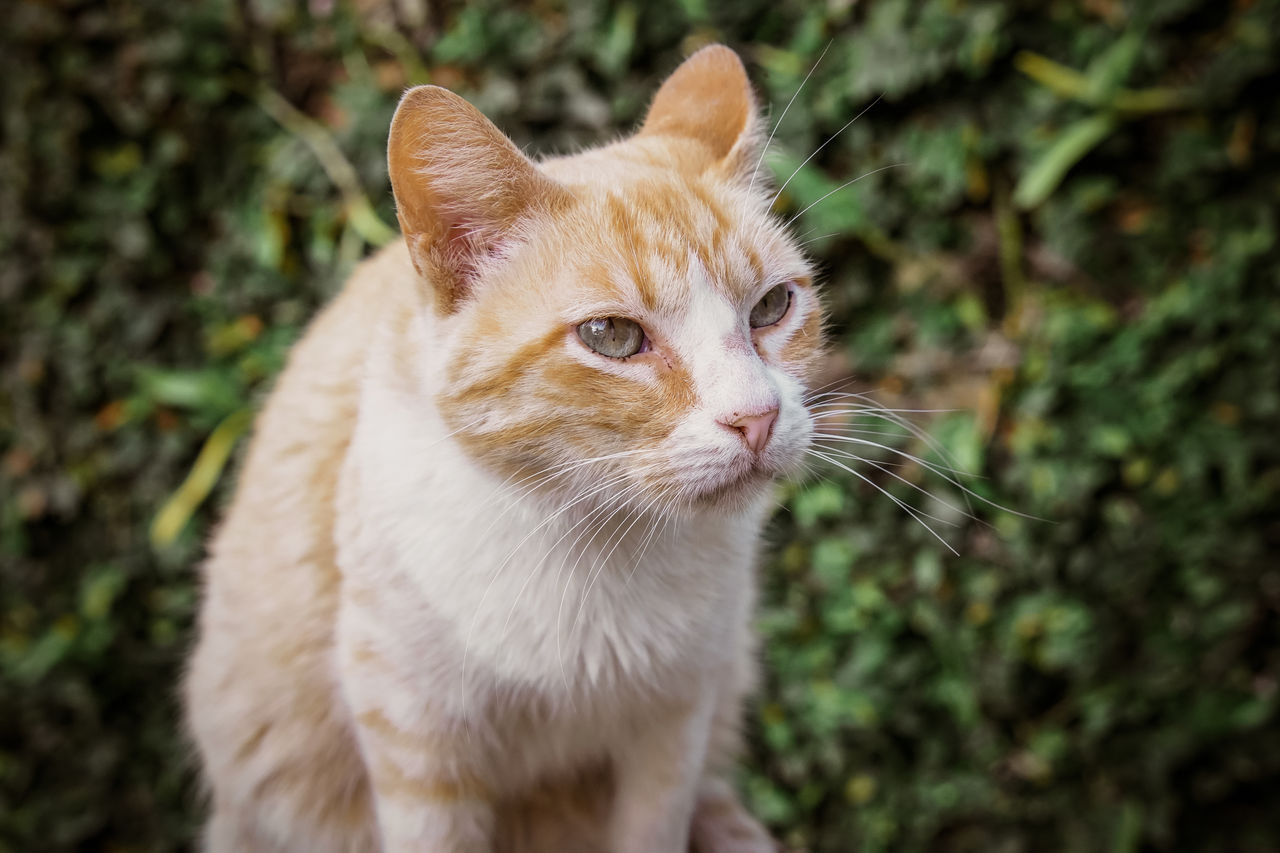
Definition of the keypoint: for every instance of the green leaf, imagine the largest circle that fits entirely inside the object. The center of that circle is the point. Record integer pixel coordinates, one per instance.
(1039, 182)
(1106, 74)
(208, 391)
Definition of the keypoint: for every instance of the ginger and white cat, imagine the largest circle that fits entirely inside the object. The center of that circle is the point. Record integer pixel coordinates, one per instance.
(487, 579)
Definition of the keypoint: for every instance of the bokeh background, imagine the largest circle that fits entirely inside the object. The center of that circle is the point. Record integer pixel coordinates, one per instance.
(1076, 261)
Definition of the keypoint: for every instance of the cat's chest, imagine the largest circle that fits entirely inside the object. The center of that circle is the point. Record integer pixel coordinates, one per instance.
(618, 602)
(580, 602)
(537, 593)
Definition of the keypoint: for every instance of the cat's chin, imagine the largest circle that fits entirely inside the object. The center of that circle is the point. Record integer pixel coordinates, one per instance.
(734, 490)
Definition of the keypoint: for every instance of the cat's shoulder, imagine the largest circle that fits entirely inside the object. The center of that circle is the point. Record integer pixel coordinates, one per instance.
(382, 284)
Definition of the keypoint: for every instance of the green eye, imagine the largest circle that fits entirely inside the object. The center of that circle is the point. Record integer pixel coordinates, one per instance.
(616, 337)
(771, 307)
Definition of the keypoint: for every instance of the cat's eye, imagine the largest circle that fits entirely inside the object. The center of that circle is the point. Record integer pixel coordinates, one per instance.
(616, 337)
(771, 308)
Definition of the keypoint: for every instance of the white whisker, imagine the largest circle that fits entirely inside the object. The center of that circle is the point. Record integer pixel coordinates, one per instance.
(901, 504)
(778, 123)
(830, 139)
(936, 469)
(816, 239)
(653, 535)
(895, 417)
(837, 189)
(564, 595)
(933, 467)
(466, 648)
(604, 561)
(541, 478)
(883, 468)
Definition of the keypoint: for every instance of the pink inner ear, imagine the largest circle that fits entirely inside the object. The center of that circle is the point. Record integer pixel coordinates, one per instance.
(461, 187)
(468, 246)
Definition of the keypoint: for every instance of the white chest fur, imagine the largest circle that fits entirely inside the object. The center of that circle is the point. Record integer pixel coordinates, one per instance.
(577, 605)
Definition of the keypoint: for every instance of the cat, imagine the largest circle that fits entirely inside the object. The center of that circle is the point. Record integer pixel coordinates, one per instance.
(486, 582)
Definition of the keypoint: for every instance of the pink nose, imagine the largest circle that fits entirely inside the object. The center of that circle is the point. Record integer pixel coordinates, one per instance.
(755, 429)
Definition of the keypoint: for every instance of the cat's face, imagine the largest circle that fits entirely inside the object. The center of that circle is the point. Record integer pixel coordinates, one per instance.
(630, 322)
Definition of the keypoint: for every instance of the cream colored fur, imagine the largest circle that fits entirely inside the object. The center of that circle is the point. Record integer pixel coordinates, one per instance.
(431, 621)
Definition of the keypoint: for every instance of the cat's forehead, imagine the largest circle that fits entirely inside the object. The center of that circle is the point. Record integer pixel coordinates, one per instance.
(657, 238)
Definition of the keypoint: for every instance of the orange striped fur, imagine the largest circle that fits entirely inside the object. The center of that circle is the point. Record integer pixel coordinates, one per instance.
(482, 588)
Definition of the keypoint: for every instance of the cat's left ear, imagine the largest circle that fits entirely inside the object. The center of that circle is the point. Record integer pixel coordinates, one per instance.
(462, 189)
(708, 100)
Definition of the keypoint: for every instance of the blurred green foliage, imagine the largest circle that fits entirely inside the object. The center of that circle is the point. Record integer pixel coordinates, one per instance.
(1077, 257)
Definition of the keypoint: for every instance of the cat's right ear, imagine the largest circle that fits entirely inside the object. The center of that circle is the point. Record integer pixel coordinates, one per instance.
(708, 100)
(461, 188)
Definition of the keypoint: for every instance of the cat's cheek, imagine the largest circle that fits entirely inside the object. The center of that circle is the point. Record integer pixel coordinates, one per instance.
(796, 335)
(800, 351)
(637, 401)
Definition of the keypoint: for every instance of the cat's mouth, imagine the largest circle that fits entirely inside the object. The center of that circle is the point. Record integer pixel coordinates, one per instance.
(690, 471)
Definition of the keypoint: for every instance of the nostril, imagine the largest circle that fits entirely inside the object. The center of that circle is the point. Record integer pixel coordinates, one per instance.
(755, 429)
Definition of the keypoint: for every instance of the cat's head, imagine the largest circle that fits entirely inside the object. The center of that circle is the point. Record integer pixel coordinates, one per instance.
(629, 320)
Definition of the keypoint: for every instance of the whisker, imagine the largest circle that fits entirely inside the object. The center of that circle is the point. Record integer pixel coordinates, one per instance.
(906, 423)
(901, 504)
(604, 561)
(653, 535)
(883, 468)
(809, 392)
(892, 416)
(880, 432)
(830, 139)
(837, 189)
(466, 648)
(778, 123)
(830, 406)
(939, 471)
(806, 233)
(541, 478)
(820, 237)
(611, 509)
(805, 480)
(931, 466)
(896, 418)
(564, 595)
(550, 550)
